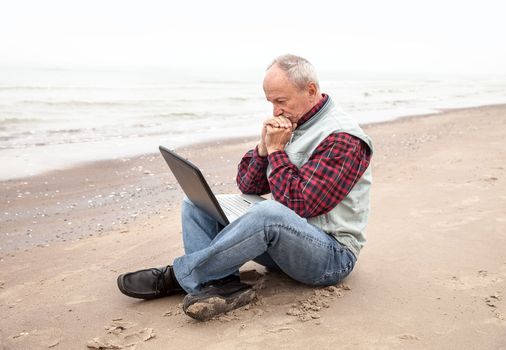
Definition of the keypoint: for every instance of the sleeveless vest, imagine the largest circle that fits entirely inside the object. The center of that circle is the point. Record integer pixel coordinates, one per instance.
(348, 220)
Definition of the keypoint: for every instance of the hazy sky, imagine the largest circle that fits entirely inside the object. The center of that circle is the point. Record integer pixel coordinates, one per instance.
(388, 36)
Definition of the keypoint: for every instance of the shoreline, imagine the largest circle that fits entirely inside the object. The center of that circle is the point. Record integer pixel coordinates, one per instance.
(223, 140)
(432, 274)
(98, 162)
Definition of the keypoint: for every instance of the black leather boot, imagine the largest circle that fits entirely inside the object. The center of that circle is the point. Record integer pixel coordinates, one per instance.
(149, 283)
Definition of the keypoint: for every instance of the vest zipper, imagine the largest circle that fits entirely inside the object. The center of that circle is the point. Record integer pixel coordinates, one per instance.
(291, 138)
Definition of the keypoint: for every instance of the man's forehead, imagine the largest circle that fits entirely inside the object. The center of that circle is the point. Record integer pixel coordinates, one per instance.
(275, 74)
(276, 89)
(276, 82)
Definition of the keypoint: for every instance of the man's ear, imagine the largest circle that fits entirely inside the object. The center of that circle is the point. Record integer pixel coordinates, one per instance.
(312, 89)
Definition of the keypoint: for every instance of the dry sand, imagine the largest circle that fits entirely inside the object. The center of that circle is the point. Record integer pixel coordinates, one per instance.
(432, 276)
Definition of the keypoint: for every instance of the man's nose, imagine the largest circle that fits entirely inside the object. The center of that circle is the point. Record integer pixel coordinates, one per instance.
(277, 111)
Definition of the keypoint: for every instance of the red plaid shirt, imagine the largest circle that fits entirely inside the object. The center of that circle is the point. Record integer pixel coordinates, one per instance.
(320, 184)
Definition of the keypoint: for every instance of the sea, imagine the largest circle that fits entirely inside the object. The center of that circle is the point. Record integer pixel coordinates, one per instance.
(52, 118)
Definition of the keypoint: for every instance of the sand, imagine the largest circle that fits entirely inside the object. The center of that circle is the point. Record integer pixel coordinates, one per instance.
(432, 276)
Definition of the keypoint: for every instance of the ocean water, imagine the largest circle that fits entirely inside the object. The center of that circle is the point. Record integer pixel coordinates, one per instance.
(51, 119)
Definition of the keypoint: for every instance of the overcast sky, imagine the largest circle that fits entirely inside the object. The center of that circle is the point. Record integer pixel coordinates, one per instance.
(386, 36)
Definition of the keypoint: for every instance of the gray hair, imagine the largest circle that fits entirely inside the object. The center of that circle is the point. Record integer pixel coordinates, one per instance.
(299, 70)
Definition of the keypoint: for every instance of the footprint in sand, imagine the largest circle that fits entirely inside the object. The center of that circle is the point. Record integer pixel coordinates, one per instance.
(121, 334)
(453, 225)
(482, 278)
(470, 201)
(493, 302)
(37, 338)
(80, 299)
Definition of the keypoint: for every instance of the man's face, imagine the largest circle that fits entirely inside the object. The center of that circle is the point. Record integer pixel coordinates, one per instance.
(286, 98)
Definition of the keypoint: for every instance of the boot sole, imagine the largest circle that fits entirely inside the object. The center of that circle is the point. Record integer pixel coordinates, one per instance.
(207, 308)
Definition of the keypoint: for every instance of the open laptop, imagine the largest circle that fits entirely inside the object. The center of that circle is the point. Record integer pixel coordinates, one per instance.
(224, 208)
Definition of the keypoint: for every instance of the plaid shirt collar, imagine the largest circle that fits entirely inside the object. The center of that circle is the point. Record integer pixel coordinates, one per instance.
(313, 110)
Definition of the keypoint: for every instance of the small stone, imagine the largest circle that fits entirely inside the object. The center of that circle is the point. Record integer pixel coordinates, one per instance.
(408, 337)
(305, 317)
(294, 312)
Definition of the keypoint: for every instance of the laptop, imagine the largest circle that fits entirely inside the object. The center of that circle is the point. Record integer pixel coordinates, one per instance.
(224, 208)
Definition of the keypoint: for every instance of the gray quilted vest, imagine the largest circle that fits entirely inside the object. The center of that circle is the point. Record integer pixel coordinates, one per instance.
(348, 220)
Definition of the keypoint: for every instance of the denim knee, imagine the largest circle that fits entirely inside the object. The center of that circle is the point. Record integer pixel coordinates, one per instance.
(187, 201)
(186, 206)
(270, 211)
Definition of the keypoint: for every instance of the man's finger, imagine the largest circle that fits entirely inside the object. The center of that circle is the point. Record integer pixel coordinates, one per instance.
(272, 123)
(285, 122)
(279, 122)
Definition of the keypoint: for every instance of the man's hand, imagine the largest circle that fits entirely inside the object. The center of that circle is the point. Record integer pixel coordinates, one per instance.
(262, 149)
(275, 139)
(278, 132)
(273, 122)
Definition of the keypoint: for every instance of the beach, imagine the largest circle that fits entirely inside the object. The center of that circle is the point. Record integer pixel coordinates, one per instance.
(431, 276)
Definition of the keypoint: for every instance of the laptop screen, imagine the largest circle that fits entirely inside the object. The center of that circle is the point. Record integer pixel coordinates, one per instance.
(194, 185)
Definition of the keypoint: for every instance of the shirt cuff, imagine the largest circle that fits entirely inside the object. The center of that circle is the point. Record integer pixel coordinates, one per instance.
(258, 158)
(278, 158)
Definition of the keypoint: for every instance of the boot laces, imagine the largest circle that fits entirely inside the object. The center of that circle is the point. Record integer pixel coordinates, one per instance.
(160, 286)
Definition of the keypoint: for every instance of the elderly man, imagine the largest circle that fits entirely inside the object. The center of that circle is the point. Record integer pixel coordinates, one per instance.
(314, 160)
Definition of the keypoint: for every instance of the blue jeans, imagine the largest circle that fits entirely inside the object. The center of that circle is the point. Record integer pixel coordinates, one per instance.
(270, 234)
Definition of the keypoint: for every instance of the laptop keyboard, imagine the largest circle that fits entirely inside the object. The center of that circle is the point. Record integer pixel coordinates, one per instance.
(233, 204)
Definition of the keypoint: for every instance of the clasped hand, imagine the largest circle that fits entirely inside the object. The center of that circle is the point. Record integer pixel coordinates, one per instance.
(276, 132)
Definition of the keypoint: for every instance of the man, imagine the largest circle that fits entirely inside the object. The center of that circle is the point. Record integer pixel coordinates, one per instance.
(314, 160)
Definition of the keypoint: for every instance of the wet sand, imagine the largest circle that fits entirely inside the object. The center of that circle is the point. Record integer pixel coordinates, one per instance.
(433, 274)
